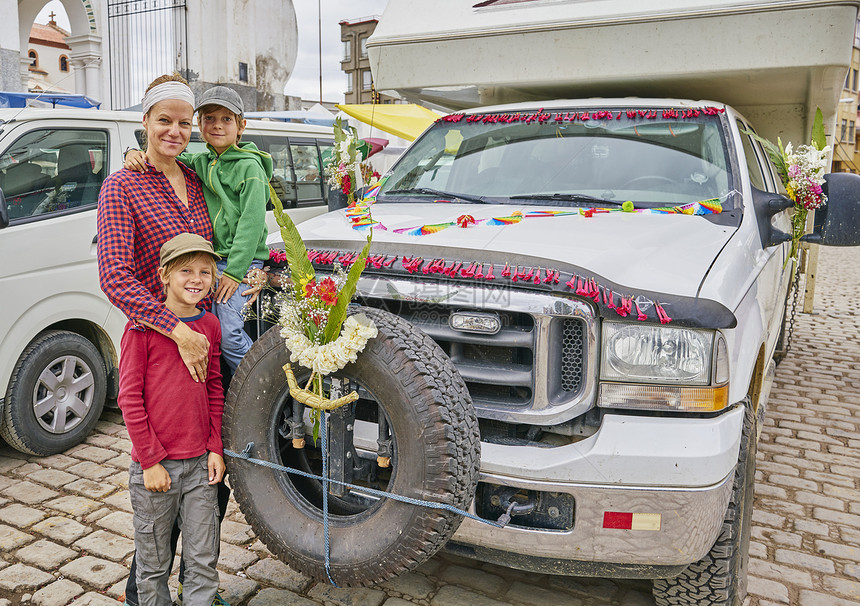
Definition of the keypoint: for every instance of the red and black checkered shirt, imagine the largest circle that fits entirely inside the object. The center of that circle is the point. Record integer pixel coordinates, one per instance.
(137, 213)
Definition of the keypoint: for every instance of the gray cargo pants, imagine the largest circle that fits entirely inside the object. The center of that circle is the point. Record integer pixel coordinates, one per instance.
(193, 503)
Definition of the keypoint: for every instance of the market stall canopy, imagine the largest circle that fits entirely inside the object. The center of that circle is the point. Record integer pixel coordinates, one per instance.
(10, 99)
(405, 120)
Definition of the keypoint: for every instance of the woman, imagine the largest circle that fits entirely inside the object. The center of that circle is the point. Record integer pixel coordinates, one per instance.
(137, 214)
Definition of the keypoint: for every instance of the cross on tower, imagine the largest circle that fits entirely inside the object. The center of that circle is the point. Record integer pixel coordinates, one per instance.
(52, 15)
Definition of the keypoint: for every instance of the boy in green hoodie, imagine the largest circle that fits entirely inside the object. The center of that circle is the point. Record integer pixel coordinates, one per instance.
(235, 178)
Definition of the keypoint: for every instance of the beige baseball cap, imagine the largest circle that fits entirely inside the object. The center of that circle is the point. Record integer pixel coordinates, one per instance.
(185, 243)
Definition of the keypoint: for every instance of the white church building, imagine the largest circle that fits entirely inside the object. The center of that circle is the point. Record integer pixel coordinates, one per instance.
(116, 47)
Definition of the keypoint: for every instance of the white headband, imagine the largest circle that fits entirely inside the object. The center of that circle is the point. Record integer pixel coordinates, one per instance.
(167, 90)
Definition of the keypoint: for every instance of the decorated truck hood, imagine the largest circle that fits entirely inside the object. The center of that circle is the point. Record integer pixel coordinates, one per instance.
(633, 251)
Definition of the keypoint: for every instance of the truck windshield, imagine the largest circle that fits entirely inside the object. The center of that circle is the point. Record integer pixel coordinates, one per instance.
(652, 161)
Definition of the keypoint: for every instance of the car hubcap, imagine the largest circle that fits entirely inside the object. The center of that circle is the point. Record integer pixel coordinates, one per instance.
(63, 394)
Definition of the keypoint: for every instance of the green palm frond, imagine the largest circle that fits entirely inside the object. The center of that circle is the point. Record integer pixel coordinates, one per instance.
(294, 246)
(338, 312)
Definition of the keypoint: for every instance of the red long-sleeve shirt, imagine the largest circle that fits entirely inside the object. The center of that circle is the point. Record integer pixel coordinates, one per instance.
(168, 415)
(137, 213)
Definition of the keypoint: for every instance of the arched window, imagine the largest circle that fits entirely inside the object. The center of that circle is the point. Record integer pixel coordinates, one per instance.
(34, 56)
(64, 63)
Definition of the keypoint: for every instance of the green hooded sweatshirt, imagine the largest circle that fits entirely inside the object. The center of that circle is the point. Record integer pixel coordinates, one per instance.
(236, 189)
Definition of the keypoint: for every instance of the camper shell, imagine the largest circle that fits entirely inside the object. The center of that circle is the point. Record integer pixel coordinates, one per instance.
(746, 54)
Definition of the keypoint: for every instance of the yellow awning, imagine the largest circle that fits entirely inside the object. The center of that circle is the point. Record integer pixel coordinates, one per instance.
(405, 120)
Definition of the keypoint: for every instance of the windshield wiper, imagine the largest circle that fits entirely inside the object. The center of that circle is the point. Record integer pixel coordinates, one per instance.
(566, 198)
(438, 192)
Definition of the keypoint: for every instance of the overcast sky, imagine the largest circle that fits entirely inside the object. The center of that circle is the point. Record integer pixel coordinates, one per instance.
(305, 79)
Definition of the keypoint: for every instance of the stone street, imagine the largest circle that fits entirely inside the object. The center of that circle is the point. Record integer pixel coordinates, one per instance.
(66, 531)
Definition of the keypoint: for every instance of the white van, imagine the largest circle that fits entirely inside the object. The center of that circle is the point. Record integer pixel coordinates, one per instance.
(59, 335)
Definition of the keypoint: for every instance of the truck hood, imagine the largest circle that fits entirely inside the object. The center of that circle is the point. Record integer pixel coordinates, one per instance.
(657, 252)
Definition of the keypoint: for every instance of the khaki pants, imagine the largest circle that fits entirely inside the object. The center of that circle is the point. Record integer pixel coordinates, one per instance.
(191, 502)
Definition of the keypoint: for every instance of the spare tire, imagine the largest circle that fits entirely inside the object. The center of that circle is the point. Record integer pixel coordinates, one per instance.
(403, 377)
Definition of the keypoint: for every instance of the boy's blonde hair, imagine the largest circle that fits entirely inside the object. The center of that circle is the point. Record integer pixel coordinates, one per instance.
(187, 259)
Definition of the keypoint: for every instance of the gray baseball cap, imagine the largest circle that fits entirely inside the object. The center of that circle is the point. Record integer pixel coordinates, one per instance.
(223, 96)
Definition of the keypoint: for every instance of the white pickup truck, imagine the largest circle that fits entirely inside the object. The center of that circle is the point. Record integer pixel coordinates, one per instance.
(614, 366)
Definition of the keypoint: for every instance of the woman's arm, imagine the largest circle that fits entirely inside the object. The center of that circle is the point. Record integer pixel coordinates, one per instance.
(116, 249)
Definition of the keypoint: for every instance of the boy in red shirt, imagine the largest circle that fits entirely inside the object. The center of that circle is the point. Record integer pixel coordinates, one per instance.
(174, 424)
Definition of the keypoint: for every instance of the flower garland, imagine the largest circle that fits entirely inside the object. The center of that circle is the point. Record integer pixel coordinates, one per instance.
(802, 174)
(360, 217)
(623, 304)
(541, 117)
(330, 357)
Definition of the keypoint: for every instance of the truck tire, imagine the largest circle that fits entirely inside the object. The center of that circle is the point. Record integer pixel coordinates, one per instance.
(720, 578)
(56, 394)
(435, 456)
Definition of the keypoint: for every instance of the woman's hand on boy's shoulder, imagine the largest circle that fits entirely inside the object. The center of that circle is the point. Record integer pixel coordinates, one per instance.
(216, 468)
(135, 160)
(156, 478)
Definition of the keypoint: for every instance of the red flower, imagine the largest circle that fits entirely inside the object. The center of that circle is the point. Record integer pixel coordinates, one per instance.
(327, 291)
(347, 185)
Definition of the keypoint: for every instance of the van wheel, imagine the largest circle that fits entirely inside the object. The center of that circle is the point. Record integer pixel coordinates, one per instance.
(56, 394)
(405, 383)
(720, 578)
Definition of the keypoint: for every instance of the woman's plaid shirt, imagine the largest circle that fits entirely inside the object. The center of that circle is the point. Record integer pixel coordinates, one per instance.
(138, 212)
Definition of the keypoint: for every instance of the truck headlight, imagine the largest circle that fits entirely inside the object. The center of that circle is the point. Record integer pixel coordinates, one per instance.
(661, 368)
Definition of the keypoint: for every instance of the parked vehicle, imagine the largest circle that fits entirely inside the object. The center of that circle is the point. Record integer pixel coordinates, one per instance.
(59, 335)
(619, 363)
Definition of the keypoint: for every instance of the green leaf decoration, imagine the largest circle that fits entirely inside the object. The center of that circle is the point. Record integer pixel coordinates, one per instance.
(819, 139)
(774, 152)
(337, 315)
(294, 246)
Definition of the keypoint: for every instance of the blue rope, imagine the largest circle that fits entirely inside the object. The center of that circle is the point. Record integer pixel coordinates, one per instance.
(324, 448)
(245, 455)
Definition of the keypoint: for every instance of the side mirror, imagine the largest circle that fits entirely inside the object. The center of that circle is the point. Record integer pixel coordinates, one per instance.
(4, 211)
(766, 206)
(837, 223)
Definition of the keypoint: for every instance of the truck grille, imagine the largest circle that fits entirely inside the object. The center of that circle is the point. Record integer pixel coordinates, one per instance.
(500, 370)
(572, 355)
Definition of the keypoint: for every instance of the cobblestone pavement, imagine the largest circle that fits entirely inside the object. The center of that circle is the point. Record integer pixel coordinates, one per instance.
(65, 520)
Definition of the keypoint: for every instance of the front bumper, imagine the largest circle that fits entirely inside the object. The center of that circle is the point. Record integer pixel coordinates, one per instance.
(681, 469)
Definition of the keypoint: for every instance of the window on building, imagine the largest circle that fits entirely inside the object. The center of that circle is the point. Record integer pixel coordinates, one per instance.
(362, 44)
(347, 50)
(34, 58)
(349, 82)
(844, 130)
(64, 63)
(854, 80)
(243, 72)
(366, 81)
(850, 131)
